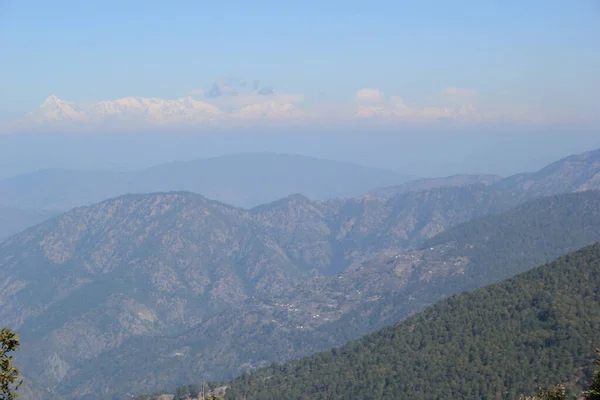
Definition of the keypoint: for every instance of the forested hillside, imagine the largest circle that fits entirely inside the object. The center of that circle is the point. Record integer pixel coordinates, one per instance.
(497, 342)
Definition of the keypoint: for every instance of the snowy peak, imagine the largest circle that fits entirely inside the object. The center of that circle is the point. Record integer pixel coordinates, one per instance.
(56, 109)
(51, 100)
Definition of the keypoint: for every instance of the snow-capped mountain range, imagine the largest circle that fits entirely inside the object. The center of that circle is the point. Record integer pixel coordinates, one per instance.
(224, 109)
(183, 111)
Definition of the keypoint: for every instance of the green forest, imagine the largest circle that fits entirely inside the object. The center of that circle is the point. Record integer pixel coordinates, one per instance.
(498, 342)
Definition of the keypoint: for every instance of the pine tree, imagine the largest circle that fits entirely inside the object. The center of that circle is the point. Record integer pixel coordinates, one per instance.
(9, 342)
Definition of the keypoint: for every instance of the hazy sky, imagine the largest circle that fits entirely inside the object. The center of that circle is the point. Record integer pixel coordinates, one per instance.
(428, 88)
(538, 57)
(419, 152)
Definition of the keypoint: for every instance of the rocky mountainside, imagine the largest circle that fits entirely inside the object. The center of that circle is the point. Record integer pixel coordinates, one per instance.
(146, 291)
(243, 180)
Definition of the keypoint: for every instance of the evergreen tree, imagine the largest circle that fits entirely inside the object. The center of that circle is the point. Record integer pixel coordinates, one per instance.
(9, 342)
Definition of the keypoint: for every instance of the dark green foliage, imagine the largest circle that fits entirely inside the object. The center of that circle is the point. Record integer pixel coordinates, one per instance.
(594, 390)
(499, 341)
(558, 392)
(9, 374)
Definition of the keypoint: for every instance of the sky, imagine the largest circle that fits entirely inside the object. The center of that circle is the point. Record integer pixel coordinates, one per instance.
(531, 56)
(427, 87)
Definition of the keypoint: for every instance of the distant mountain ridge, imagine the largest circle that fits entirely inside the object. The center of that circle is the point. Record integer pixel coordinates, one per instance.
(248, 180)
(244, 180)
(431, 183)
(571, 174)
(574, 173)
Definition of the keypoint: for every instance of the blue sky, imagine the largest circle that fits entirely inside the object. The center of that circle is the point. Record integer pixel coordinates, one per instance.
(530, 54)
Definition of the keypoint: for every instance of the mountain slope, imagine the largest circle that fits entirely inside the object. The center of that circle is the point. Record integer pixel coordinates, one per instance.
(574, 173)
(244, 180)
(464, 257)
(326, 311)
(571, 174)
(139, 265)
(133, 269)
(149, 291)
(509, 338)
